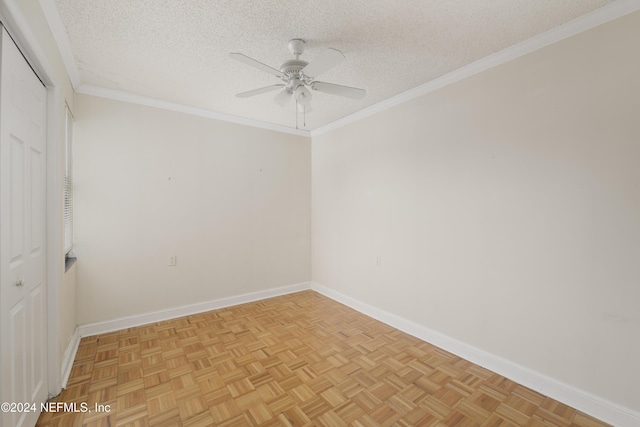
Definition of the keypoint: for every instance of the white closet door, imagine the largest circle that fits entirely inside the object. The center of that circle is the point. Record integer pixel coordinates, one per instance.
(22, 225)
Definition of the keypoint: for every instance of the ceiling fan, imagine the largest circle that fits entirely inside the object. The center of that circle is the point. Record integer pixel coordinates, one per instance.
(298, 77)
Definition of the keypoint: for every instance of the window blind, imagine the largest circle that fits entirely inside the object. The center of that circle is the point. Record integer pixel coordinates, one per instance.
(68, 184)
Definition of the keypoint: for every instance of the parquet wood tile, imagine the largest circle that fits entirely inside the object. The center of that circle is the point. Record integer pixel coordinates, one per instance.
(296, 360)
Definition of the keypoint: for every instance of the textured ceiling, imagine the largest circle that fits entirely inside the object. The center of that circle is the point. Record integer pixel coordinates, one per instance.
(177, 51)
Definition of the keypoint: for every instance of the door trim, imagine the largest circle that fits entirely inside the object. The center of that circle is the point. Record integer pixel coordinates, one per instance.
(27, 41)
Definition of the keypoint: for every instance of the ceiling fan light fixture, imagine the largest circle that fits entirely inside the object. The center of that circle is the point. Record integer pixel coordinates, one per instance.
(303, 96)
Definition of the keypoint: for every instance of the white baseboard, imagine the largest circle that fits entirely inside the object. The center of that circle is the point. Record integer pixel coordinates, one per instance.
(186, 310)
(69, 357)
(595, 406)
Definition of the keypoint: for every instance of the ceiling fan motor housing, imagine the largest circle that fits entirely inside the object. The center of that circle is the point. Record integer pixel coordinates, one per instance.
(293, 75)
(293, 67)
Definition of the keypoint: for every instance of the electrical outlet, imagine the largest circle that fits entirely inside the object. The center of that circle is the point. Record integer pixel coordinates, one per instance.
(173, 260)
(379, 260)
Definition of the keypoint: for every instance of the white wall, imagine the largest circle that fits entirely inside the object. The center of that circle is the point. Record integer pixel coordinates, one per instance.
(230, 201)
(505, 209)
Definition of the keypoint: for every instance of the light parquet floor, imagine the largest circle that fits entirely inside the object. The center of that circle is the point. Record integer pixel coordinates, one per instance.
(295, 360)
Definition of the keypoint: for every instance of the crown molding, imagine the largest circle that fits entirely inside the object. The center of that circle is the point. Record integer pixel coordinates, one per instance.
(61, 39)
(181, 108)
(597, 17)
(583, 23)
(52, 16)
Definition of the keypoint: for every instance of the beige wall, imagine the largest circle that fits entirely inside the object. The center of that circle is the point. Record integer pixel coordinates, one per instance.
(231, 202)
(505, 210)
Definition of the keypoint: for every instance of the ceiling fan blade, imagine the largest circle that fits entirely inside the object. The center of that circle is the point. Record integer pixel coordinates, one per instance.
(256, 64)
(283, 98)
(346, 91)
(329, 59)
(258, 91)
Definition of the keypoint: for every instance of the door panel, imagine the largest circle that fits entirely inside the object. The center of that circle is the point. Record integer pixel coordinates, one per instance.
(37, 209)
(16, 201)
(23, 230)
